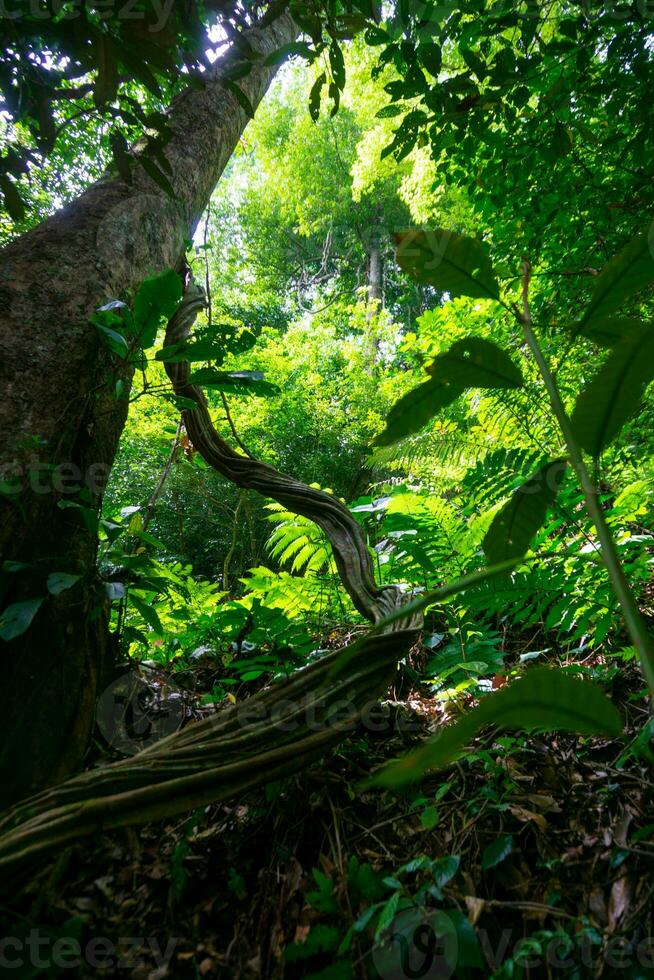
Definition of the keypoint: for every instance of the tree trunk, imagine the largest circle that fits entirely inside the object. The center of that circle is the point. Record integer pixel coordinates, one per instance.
(60, 421)
(375, 285)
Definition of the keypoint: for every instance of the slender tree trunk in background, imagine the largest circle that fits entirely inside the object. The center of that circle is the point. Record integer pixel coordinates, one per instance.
(60, 421)
(375, 285)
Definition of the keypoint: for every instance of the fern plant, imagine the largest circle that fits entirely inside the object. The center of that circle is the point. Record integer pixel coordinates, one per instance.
(297, 542)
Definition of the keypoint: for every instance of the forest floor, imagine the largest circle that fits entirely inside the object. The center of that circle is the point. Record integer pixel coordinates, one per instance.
(530, 857)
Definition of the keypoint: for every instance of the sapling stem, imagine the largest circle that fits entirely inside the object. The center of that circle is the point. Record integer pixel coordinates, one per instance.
(635, 623)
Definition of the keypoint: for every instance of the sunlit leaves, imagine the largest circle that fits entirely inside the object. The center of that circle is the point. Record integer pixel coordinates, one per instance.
(452, 263)
(543, 698)
(614, 393)
(524, 514)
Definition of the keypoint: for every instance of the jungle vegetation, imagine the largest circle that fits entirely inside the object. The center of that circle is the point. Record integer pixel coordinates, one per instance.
(325, 367)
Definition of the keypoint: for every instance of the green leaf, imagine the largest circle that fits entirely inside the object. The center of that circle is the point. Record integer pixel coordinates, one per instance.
(431, 57)
(315, 96)
(122, 159)
(201, 350)
(235, 382)
(608, 330)
(114, 340)
(240, 97)
(497, 852)
(615, 392)
(416, 408)
(148, 612)
(476, 363)
(523, 515)
(13, 201)
(543, 698)
(107, 80)
(429, 817)
(156, 300)
(625, 274)
(16, 619)
(450, 262)
(301, 48)
(337, 65)
(59, 582)
(152, 170)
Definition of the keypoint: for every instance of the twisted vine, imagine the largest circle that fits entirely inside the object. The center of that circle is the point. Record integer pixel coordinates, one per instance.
(277, 732)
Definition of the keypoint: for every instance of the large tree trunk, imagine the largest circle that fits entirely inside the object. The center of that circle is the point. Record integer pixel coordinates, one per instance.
(60, 422)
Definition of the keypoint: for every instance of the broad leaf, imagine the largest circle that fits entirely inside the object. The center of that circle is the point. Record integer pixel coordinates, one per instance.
(416, 408)
(59, 582)
(114, 340)
(301, 48)
(625, 274)
(153, 171)
(543, 698)
(609, 330)
(240, 96)
(523, 515)
(614, 394)
(452, 263)
(235, 382)
(148, 612)
(497, 852)
(156, 300)
(476, 363)
(16, 619)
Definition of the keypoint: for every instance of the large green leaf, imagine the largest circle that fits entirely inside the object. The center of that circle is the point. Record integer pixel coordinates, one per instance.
(235, 382)
(16, 620)
(452, 263)
(614, 393)
(416, 408)
(625, 274)
(607, 331)
(156, 300)
(476, 363)
(543, 698)
(148, 612)
(523, 515)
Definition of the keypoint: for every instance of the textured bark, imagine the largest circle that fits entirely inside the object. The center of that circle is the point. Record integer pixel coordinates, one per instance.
(57, 410)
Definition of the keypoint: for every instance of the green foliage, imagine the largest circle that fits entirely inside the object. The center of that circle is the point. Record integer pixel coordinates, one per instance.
(615, 392)
(452, 263)
(543, 698)
(521, 517)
